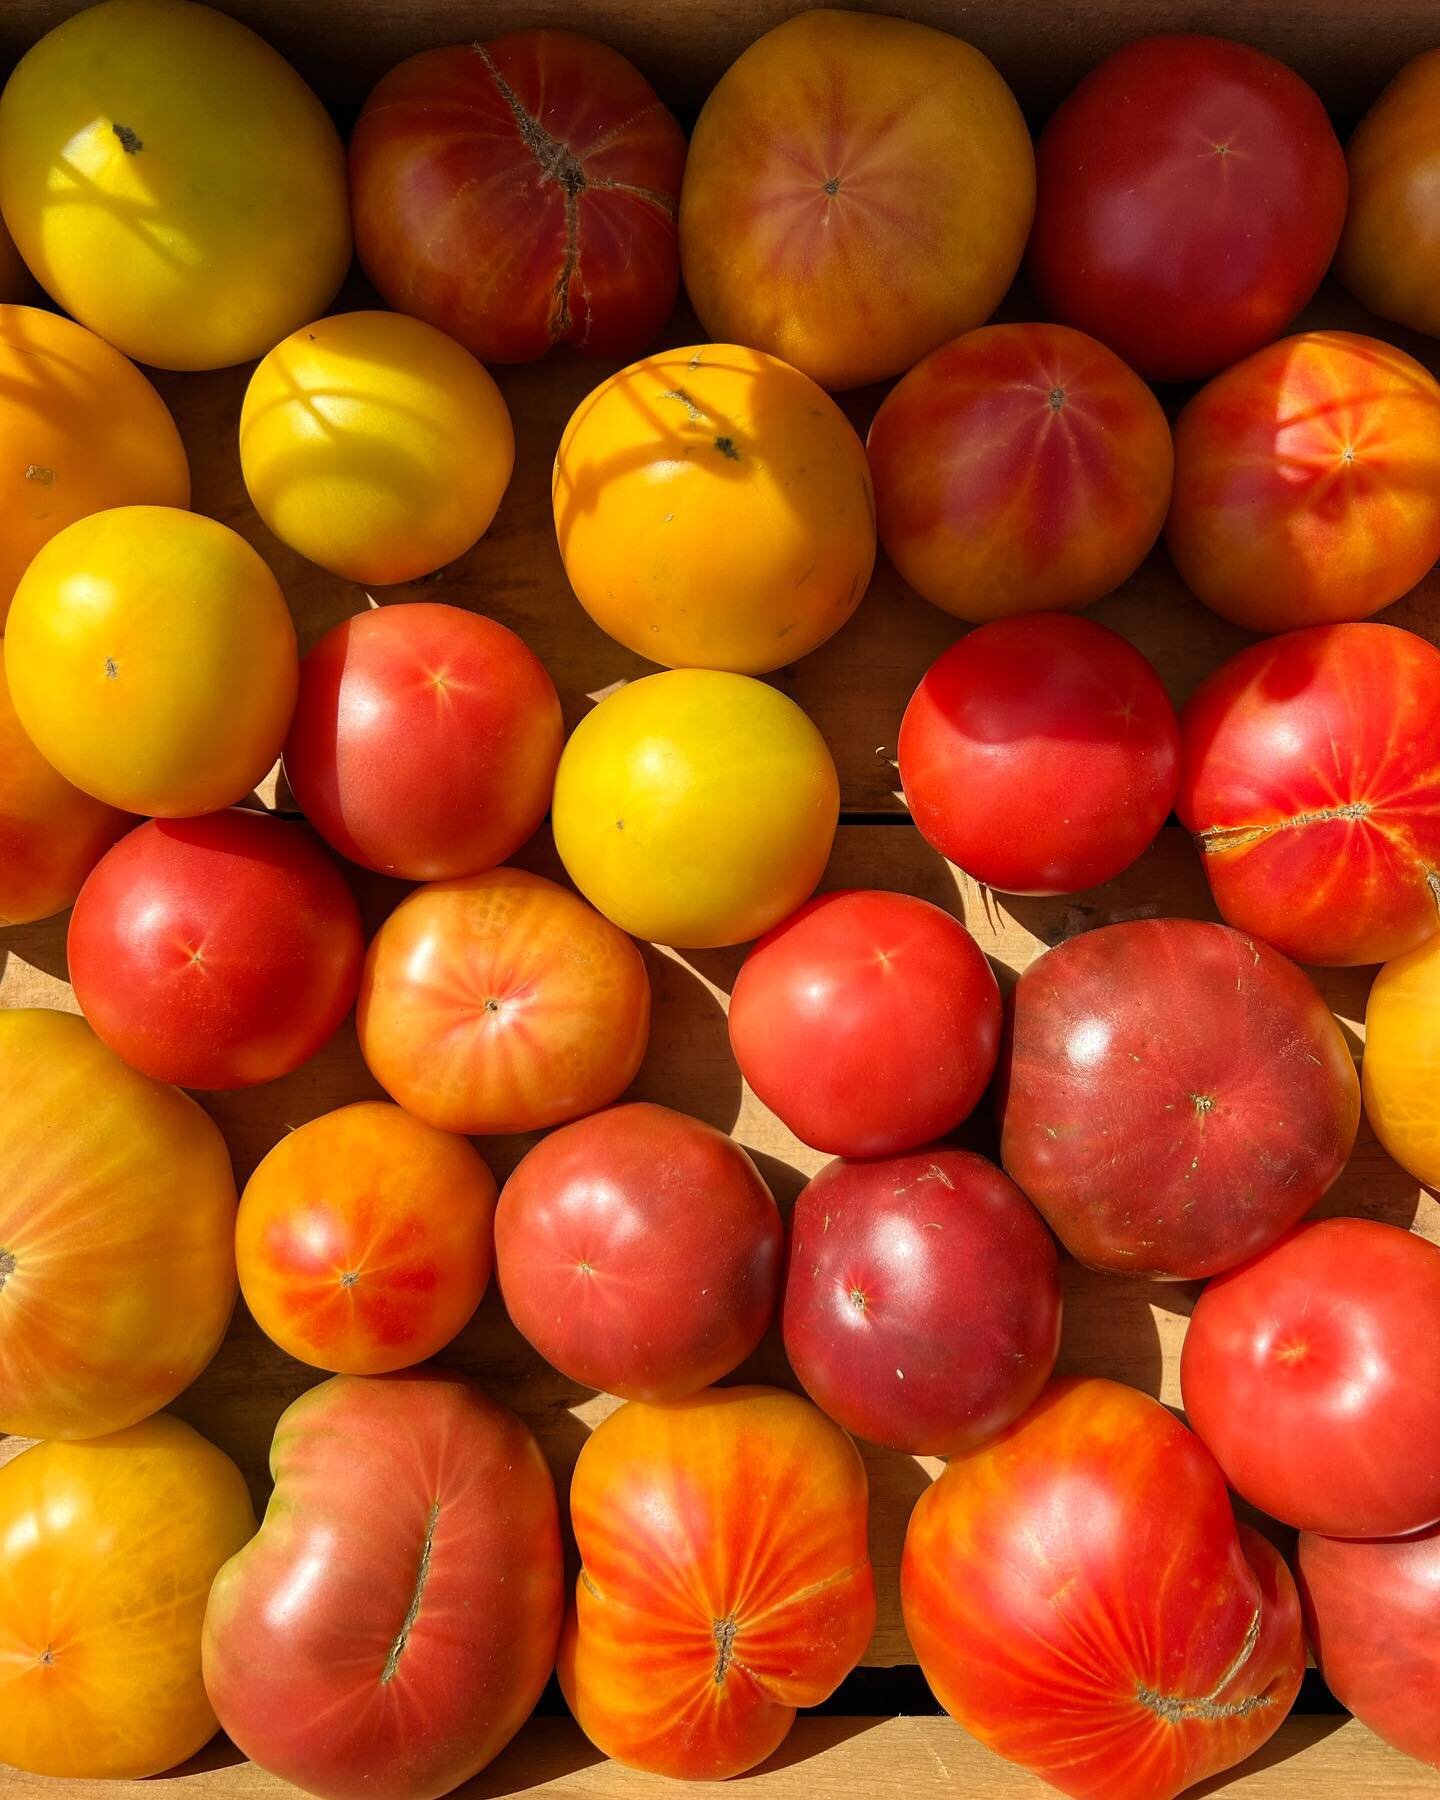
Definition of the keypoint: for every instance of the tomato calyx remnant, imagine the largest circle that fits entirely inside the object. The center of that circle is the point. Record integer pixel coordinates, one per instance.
(1057, 398)
(832, 186)
(112, 668)
(129, 140)
(407, 1624)
(349, 1277)
(724, 1632)
(47, 1656)
(1204, 1103)
(38, 472)
(7, 1267)
(1177, 1709)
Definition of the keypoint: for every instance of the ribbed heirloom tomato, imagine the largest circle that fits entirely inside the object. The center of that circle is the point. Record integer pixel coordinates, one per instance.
(1389, 256)
(1400, 1071)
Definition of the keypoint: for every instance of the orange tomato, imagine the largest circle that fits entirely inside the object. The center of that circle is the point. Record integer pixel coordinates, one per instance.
(107, 1552)
(81, 429)
(117, 1234)
(1389, 255)
(714, 510)
(724, 1578)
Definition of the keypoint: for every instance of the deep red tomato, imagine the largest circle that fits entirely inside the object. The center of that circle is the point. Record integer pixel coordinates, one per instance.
(1080, 1598)
(1313, 1374)
(216, 952)
(869, 1021)
(1175, 1096)
(1040, 754)
(396, 694)
(1310, 775)
(922, 1299)
(1191, 193)
(639, 1251)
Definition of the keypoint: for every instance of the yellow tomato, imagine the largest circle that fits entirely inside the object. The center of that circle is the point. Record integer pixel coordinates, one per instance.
(173, 183)
(107, 1552)
(714, 510)
(1400, 1073)
(375, 445)
(152, 659)
(16, 281)
(695, 808)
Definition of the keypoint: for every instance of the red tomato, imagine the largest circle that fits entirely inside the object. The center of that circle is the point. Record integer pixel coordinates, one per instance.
(922, 1299)
(1021, 468)
(216, 952)
(1191, 193)
(1040, 754)
(1081, 1600)
(1310, 775)
(390, 1628)
(639, 1252)
(1313, 1374)
(1175, 1096)
(397, 693)
(870, 1022)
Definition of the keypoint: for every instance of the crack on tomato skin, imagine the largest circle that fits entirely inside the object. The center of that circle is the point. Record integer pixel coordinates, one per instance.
(1177, 1709)
(724, 1633)
(1432, 882)
(1216, 839)
(422, 1575)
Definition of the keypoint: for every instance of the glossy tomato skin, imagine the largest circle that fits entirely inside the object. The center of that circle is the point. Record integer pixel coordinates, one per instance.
(1400, 1071)
(1040, 754)
(1174, 1096)
(1313, 1375)
(107, 1551)
(501, 1003)
(639, 1251)
(394, 694)
(724, 1582)
(1389, 255)
(1190, 195)
(1086, 1565)
(922, 1299)
(216, 952)
(1310, 776)
(390, 1628)
(869, 1021)
(116, 1198)
(521, 193)
(1021, 468)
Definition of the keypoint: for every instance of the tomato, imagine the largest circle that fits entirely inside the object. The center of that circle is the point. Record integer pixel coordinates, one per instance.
(1313, 1374)
(81, 429)
(922, 1299)
(714, 511)
(1307, 482)
(116, 1199)
(1021, 468)
(364, 1239)
(724, 1578)
(134, 692)
(390, 1628)
(375, 445)
(107, 1551)
(395, 694)
(1040, 754)
(521, 193)
(869, 1022)
(216, 952)
(695, 808)
(1400, 1072)
(1081, 1600)
(173, 183)
(1190, 195)
(858, 191)
(501, 1003)
(1389, 256)
(639, 1251)
(1174, 1096)
(1310, 776)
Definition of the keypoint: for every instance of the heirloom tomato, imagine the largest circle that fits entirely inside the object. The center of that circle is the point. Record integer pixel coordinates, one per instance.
(1389, 255)
(1400, 1071)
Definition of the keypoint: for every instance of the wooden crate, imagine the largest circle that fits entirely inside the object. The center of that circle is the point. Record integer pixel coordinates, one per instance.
(855, 688)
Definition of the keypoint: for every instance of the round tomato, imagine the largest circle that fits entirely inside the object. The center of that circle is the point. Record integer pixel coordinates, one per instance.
(1040, 754)
(364, 1239)
(639, 1252)
(502, 1003)
(117, 1234)
(173, 183)
(1190, 195)
(216, 952)
(1313, 1374)
(107, 1551)
(1400, 1071)
(724, 1578)
(1389, 256)
(135, 691)
(696, 809)
(869, 1022)
(395, 694)
(81, 429)
(1081, 1599)
(714, 511)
